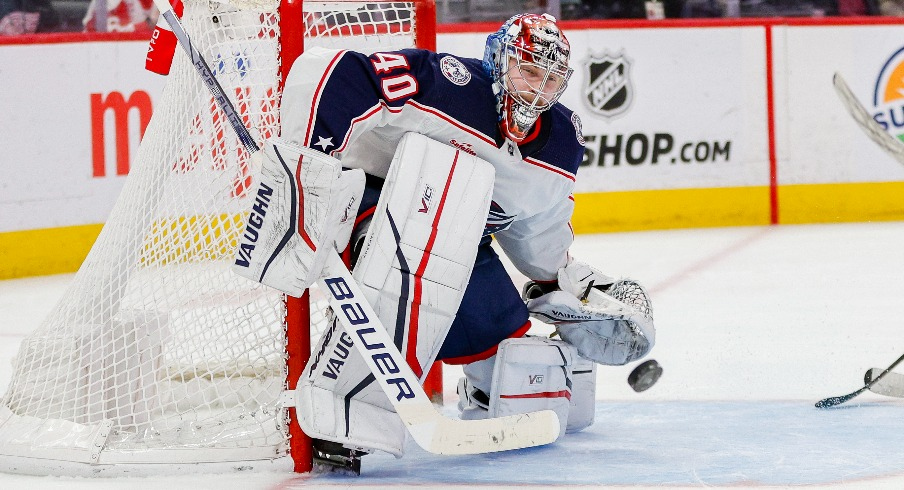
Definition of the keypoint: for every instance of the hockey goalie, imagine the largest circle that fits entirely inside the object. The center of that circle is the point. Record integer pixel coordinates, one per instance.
(410, 163)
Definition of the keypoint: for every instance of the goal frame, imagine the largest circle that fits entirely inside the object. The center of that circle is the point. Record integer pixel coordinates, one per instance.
(294, 448)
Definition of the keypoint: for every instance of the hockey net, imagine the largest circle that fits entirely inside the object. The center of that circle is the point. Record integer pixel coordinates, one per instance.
(157, 352)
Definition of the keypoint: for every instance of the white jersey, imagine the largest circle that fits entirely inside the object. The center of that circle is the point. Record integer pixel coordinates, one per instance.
(357, 108)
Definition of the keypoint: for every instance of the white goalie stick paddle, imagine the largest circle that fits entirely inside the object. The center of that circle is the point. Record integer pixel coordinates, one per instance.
(892, 384)
(428, 427)
(887, 142)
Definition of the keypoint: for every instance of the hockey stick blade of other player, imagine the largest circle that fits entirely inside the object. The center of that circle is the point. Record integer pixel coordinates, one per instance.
(429, 428)
(838, 400)
(892, 384)
(887, 142)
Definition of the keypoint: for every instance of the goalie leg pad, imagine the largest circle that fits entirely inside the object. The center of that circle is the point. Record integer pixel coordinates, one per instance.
(583, 395)
(303, 207)
(472, 389)
(413, 268)
(338, 399)
(531, 374)
(420, 250)
(474, 402)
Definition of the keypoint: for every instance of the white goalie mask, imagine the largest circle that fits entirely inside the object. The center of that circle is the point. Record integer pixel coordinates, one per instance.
(527, 59)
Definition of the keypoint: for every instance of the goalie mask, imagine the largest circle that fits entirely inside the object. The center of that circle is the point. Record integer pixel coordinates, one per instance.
(527, 59)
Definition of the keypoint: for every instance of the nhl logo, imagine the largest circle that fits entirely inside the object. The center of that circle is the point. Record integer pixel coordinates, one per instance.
(608, 91)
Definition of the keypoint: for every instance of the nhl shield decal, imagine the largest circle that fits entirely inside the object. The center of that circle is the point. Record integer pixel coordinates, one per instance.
(608, 91)
(578, 131)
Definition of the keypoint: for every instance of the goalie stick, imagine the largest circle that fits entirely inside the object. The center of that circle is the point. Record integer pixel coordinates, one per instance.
(429, 428)
(838, 400)
(892, 384)
(887, 142)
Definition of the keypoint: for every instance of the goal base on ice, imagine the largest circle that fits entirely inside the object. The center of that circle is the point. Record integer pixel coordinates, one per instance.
(45, 467)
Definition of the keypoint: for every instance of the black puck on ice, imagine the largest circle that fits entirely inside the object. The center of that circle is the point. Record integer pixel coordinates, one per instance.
(645, 375)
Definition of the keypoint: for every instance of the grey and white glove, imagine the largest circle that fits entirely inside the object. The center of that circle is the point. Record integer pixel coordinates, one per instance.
(609, 321)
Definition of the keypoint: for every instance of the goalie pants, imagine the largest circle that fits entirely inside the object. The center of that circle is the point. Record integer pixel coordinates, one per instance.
(491, 309)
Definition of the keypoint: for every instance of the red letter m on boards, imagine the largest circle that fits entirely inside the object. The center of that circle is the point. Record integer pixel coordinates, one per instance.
(140, 101)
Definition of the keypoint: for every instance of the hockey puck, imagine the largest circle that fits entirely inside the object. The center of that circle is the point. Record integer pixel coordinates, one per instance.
(645, 375)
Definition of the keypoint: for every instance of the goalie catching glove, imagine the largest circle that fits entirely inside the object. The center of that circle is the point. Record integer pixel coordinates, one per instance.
(303, 209)
(608, 321)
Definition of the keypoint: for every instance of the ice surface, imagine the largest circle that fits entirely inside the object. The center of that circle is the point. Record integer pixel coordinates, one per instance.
(754, 325)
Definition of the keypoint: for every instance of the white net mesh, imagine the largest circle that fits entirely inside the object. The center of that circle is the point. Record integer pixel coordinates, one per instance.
(631, 293)
(158, 352)
(363, 27)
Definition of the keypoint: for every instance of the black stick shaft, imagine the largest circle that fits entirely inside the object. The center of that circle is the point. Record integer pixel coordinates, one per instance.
(211, 81)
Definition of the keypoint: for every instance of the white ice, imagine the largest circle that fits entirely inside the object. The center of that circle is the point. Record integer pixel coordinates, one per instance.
(754, 325)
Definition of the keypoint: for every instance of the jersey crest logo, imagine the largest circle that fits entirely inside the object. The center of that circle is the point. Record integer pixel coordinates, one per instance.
(608, 91)
(455, 71)
(578, 132)
(497, 220)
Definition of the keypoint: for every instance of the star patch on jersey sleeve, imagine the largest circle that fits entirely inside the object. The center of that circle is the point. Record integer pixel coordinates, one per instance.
(324, 143)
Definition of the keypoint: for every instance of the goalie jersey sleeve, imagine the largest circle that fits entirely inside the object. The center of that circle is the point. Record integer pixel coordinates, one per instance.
(357, 107)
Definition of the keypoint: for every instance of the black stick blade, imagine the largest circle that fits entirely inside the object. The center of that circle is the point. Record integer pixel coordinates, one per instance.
(837, 400)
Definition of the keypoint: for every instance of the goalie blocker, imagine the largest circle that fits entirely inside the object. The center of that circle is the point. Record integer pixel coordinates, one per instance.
(303, 210)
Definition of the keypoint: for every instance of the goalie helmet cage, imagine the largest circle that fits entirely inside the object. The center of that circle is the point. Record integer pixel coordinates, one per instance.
(158, 359)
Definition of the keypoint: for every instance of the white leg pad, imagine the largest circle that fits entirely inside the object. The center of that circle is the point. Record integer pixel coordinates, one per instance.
(338, 400)
(354, 424)
(413, 269)
(530, 374)
(583, 395)
(474, 387)
(419, 252)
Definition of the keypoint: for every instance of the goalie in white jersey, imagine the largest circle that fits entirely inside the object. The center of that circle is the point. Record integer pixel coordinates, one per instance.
(405, 118)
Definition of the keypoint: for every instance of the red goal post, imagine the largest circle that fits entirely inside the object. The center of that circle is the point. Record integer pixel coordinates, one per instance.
(298, 345)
